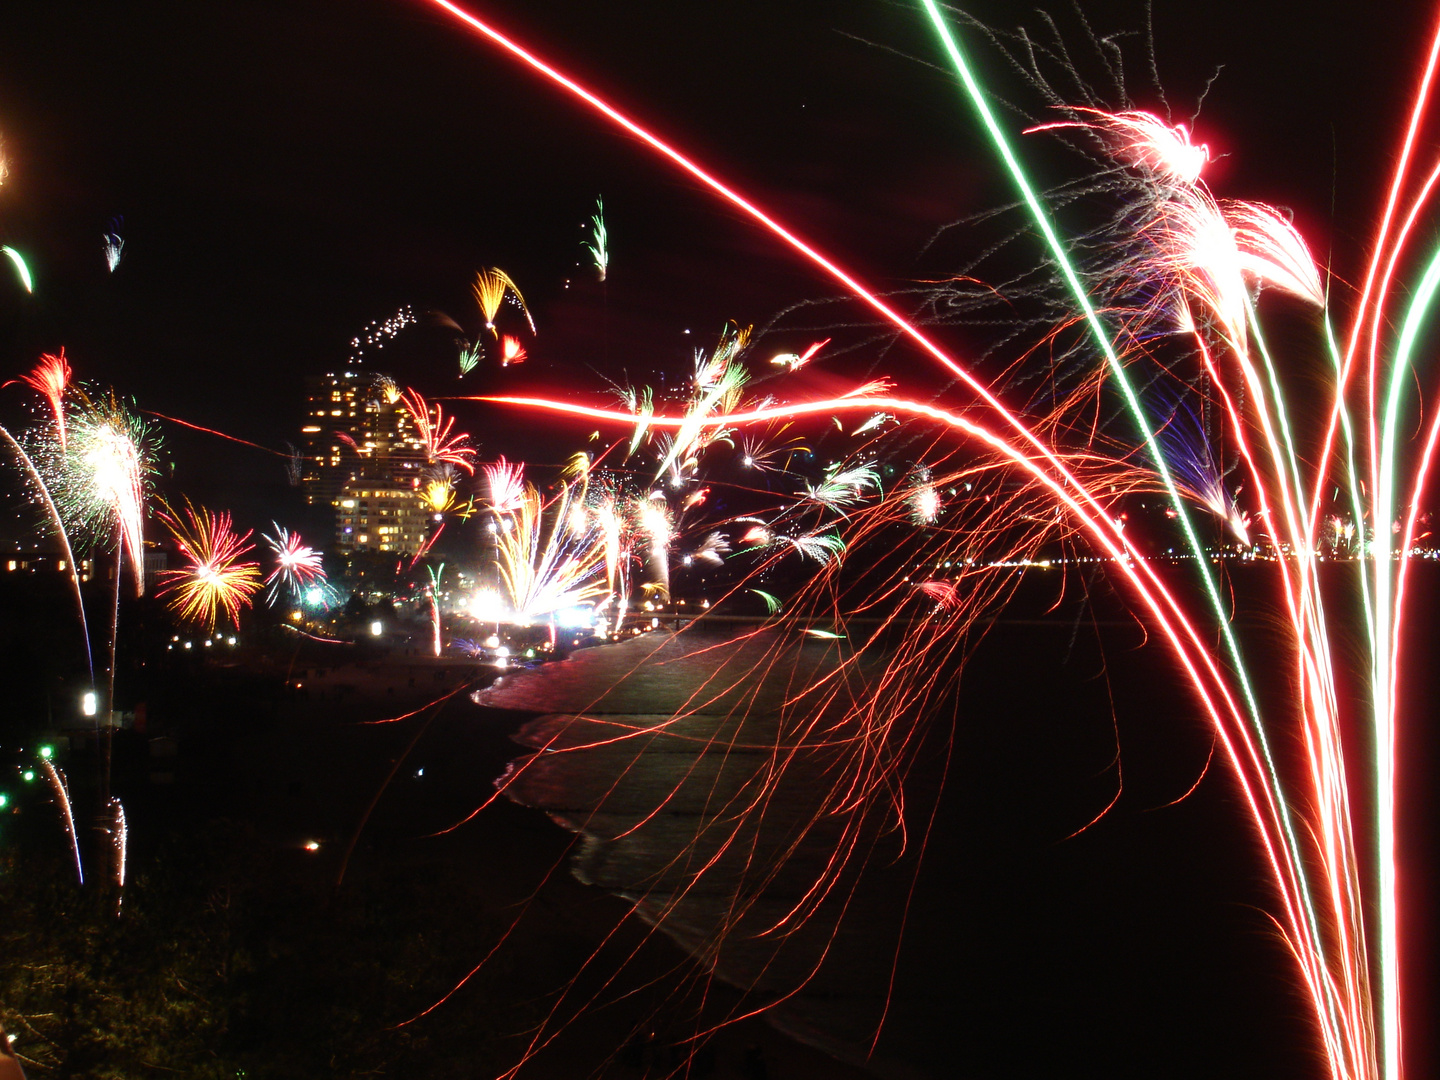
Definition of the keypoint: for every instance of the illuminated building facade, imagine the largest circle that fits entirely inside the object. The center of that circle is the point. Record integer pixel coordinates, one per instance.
(376, 517)
(361, 455)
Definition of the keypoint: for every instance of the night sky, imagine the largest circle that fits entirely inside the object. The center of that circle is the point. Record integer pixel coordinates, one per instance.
(289, 171)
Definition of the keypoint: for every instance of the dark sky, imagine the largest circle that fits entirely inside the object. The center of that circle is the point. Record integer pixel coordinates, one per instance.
(290, 171)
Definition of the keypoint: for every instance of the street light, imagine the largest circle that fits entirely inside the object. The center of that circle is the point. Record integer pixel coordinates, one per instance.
(89, 703)
(377, 628)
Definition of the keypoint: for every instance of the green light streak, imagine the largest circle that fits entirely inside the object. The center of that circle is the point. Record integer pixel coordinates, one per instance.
(1382, 689)
(1097, 329)
(599, 248)
(20, 268)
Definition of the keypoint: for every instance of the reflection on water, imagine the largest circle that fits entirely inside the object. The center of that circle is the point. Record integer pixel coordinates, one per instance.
(723, 788)
(712, 784)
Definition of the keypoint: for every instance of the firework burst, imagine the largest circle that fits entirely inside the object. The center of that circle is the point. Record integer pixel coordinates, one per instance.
(216, 579)
(298, 567)
(435, 431)
(544, 565)
(50, 379)
(101, 478)
(492, 287)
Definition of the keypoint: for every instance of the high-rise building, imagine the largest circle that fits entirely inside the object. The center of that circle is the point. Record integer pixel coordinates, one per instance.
(379, 517)
(362, 456)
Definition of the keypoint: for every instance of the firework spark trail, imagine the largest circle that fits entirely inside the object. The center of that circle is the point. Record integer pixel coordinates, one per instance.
(56, 779)
(1237, 743)
(21, 270)
(1384, 616)
(544, 570)
(1190, 648)
(114, 244)
(1088, 508)
(599, 243)
(491, 287)
(217, 434)
(119, 841)
(441, 447)
(50, 379)
(64, 538)
(1343, 1032)
(1267, 255)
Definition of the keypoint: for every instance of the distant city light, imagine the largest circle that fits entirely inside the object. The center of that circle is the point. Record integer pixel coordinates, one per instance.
(89, 703)
(377, 628)
(312, 845)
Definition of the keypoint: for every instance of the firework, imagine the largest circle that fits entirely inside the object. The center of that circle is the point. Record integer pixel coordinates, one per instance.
(56, 779)
(844, 485)
(101, 480)
(772, 602)
(712, 550)
(492, 287)
(21, 270)
(441, 447)
(925, 502)
(1181, 265)
(511, 351)
(599, 243)
(114, 244)
(298, 568)
(795, 361)
(438, 492)
(505, 482)
(387, 388)
(43, 491)
(546, 567)
(50, 378)
(119, 841)
(470, 356)
(433, 601)
(1144, 141)
(377, 333)
(215, 579)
